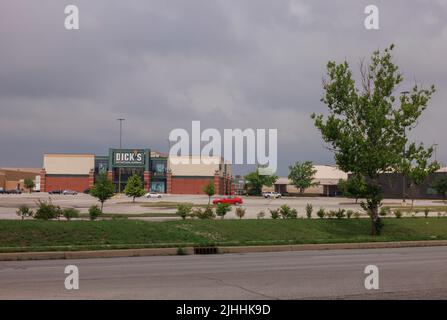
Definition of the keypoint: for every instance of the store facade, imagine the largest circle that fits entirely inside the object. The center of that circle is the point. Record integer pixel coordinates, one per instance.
(79, 171)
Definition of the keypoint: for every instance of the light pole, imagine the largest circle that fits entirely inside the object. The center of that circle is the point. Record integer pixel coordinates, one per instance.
(435, 147)
(119, 168)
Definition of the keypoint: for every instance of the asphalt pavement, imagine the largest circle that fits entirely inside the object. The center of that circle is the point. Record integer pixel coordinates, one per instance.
(404, 273)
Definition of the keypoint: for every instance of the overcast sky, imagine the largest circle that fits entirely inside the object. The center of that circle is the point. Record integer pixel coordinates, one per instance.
(229, 64)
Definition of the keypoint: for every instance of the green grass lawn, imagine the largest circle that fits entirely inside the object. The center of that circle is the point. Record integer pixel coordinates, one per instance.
(33, 235)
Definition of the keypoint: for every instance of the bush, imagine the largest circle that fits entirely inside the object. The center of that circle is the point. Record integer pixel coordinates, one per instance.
(23, 211)
(222, 209)
(309, 209)
(384, 211)
(357, 214)
(47, 211)
(349, 213)
(274, 213)
(340, 214)
(240, 212)
(287, 213)
(184, 210)
(94, 212)
(426, 212)
(261, 214)
(70, 213)
(321, 213)
(331, 214)
(398, 213)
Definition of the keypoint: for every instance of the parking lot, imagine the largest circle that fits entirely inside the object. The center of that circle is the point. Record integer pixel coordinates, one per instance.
(123, 204)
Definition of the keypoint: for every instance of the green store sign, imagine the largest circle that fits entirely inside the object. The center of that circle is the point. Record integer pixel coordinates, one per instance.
(129, 157)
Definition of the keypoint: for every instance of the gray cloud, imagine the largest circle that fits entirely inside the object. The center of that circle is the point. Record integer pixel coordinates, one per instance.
(229, 63)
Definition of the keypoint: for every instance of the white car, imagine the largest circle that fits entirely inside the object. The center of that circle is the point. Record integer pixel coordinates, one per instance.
(272, 195)
(69, 192)
(153, 195)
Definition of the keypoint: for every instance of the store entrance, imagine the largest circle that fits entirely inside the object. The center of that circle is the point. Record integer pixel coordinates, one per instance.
(126, 173)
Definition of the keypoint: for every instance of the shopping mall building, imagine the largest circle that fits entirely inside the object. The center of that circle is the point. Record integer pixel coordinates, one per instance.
(79, 171)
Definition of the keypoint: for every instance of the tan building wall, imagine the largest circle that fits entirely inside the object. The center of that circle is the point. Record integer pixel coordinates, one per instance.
(207, 166)
(325, 176)
(68, 164)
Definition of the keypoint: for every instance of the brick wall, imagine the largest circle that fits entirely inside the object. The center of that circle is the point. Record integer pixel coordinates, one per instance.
(76, 183)
(189, 185)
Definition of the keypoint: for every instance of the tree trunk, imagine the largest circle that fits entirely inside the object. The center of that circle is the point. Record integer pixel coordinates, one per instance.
(374, 220)
(102, 204)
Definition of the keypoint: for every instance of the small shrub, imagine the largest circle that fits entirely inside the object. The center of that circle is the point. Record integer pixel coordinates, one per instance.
(183, 210)
(309, 209)
(331, 214)
(207, 213)
(181, 251)
(357, 214)
(46, 210)
(23, 211)
(287, 213)
(274, 213)
(261, 214)
(426, 212)
(384, 211)
(398, 213)
(349, 213)
(70, 213)
(94, 212)
(240, 212)
(340, 213)
(222, 209)
(321, 213)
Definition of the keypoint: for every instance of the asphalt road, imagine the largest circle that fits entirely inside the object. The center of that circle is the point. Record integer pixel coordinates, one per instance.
(413, 273)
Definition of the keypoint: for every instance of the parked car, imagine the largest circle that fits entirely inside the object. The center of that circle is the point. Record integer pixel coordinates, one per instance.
(13, 191)
(69, 192)
(152, 195)
(229, 199)
(272, 195)
(55, 192)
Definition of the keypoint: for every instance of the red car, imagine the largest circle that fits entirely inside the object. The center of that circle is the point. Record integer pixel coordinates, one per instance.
(230, 200)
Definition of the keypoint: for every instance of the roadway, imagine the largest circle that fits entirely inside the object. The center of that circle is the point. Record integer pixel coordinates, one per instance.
(410, 273)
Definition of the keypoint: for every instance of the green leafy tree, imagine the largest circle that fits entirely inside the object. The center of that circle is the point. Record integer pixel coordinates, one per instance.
(440, 185)
(103, 189)
(134, 187)
(366, 125)
(209, 191)
(29, 184)
(354, 187)
(416, 167)
(255, 182)
(302, 175)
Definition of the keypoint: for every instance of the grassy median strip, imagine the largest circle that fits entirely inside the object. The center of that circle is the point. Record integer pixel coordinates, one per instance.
(32, 235)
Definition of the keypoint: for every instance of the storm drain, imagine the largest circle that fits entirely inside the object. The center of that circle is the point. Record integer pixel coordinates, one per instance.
(205, 250)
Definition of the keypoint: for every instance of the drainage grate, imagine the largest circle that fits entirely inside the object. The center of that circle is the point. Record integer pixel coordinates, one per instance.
(205, 250)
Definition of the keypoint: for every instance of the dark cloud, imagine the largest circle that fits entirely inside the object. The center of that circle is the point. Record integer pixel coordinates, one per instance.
(229, 63)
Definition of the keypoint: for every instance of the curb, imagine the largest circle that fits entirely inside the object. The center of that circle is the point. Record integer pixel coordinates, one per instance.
(18, 256)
